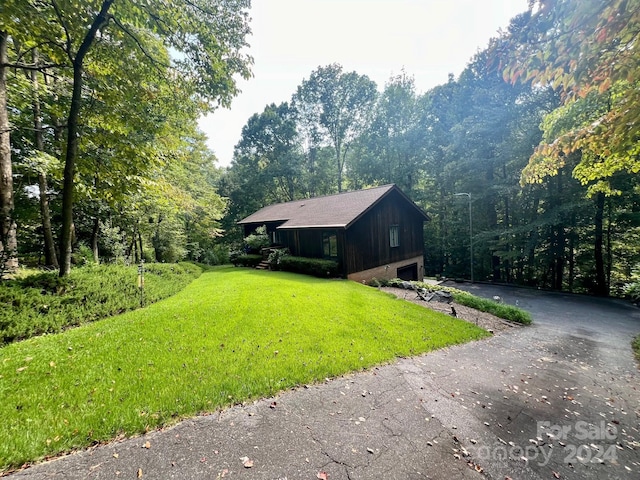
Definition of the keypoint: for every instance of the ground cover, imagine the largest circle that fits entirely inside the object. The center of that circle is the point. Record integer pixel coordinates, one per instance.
(45, 303)
(232, 335)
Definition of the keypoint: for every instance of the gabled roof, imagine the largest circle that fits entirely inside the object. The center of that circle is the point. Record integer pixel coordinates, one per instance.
(332, 211)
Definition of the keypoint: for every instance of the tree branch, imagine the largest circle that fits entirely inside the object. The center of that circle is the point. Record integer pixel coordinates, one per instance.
(137, 41)
(31, 67)
(67, 41)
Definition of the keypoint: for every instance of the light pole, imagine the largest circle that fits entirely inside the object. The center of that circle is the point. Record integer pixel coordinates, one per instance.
(468, 195)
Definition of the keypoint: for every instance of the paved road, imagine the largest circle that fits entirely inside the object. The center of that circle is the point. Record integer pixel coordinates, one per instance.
(559, 399)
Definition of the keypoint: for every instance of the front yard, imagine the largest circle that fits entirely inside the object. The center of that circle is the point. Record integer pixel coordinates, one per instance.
(231, 336)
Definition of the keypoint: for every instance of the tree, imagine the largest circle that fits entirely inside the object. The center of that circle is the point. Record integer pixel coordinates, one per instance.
(585, 49)
(391, 149)
(8, 234)
(338, 105)
(206, 41)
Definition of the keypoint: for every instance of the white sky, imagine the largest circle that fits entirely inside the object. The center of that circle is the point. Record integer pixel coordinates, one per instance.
(378, 38)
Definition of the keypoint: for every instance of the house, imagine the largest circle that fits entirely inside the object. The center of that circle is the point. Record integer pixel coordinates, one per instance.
(372, 233)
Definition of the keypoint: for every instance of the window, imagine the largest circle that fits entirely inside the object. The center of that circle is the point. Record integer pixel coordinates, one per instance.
(329, 245)
(394, 236)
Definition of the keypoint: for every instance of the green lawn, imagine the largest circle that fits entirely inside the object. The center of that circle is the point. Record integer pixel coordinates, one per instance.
(231, 335)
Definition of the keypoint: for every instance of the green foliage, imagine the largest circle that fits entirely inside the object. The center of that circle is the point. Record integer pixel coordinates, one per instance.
(635, 345)
(336, 106)
(216, 255)
(245, 260)
(317, 267)
(276, 256)
(632, 291)
(83, 255)
(45, 303)
(258, 240)
(252, 335)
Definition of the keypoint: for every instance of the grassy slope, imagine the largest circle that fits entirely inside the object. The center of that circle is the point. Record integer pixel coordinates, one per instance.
(232, 335)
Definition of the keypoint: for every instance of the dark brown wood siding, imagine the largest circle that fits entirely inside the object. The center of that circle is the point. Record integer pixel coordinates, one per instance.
(367, 240)
(308, 242)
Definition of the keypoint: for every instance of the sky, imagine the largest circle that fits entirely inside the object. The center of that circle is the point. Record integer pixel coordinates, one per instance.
(429, 39)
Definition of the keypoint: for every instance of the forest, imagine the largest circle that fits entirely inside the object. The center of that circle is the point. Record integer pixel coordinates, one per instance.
(536, 141)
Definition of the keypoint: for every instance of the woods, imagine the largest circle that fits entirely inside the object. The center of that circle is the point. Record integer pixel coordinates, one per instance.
(102, 159)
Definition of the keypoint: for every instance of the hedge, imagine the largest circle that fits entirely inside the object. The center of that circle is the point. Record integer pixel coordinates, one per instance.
(317, 267)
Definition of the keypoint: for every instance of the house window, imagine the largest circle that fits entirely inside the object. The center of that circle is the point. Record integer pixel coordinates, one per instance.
(394, 237)
(329, 245)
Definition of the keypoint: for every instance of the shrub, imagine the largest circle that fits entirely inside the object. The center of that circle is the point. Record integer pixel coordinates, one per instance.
(632, 291)
(258, 240)
(216, 255)
(276, 256)
(317, 267)
(246, 260)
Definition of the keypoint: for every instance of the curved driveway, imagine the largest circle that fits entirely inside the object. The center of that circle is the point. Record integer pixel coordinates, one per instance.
(559, 399)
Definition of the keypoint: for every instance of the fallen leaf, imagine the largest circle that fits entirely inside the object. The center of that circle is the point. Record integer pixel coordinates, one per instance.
(115, 455)
(139, 473)
(322, 475)
(147, 445)
(246, 463)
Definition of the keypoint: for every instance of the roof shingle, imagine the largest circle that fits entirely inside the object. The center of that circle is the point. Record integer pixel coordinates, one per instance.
(333, 211)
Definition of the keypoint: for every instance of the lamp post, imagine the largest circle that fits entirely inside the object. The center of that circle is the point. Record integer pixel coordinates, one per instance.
(468, 195)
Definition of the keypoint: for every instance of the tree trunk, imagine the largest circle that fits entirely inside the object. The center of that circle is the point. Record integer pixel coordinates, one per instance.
(72, 138)
(507, 223)
(8, 228)
(558, 271)
(95, 231)
(601, 287)
(50, 257)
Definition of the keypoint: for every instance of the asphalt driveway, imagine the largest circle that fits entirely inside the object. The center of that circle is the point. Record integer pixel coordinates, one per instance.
(559, 399)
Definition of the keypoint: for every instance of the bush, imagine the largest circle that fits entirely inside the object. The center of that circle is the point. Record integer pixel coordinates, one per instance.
(317, 267)
(258, 240)
(276, 256)
(44, 303)
(245, 260)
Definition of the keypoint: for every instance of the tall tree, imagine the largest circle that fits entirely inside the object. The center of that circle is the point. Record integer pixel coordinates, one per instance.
(339, 104)
(8, 238)
(207, 40)
(391, 150)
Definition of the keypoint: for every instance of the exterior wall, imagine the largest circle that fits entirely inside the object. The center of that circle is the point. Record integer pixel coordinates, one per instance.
(382, 272)
(367, 240)
(308, 242)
